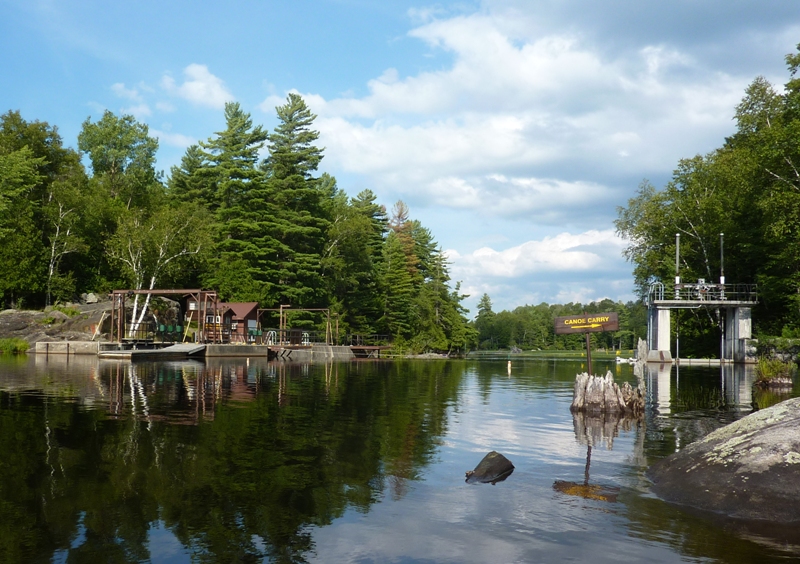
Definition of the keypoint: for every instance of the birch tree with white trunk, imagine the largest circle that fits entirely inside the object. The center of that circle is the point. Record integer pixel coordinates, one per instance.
(151, 249)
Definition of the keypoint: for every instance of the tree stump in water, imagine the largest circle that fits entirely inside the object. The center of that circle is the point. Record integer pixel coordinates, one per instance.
(600, 394)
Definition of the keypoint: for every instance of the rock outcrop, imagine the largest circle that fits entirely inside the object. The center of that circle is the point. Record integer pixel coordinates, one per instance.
(749, 469)
(54, 325)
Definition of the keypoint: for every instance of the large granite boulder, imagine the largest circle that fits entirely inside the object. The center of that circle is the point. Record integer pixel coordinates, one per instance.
(749, 469)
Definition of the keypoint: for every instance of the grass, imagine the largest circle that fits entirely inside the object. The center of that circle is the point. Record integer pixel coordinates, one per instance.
(13, 346)
(553, 354)
(768, 369)
(68, 311)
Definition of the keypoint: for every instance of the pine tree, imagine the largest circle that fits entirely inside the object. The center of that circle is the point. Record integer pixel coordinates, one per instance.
(222, 174)
(297, 202)
(398, 288)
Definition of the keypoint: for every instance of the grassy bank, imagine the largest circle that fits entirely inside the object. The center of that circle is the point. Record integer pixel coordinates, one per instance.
(551, 354)
(13, 346)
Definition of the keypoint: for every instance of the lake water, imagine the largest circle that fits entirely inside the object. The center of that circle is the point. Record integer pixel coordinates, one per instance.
(250, 461)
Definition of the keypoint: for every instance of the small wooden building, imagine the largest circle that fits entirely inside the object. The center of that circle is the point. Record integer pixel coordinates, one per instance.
(238, 320)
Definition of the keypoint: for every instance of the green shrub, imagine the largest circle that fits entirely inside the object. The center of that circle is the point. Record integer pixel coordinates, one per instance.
(770, 368)
(68, 311)
(13, 346)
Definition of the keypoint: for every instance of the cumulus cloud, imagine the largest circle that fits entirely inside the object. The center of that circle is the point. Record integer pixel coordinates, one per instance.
(124, 92)
(140, 109)
(565, 252)
(524, 121)
(534, 121)
(200, 87)
(567, 267)
(174, 139)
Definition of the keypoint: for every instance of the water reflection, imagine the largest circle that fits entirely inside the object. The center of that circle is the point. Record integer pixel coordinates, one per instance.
(245, 460)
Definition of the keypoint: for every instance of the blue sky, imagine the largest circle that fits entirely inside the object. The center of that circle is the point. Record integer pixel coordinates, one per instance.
(512, 129)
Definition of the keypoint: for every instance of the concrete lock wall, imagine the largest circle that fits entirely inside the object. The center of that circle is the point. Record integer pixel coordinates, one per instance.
(321, 352)
(659, 336)
(738, 328)
(67, 347)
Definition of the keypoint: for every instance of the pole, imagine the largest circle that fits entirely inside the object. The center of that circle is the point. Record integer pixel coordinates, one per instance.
(677, 264)
(721, 258)
(588, 353)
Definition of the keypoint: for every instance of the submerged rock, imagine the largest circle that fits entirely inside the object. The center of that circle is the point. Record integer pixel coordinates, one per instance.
(492, 469)
(749, 469)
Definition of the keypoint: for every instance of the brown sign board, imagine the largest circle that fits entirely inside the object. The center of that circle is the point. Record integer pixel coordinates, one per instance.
(587, 323)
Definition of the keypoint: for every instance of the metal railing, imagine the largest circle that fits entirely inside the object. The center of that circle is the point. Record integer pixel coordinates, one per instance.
(354, 340)
(702, 291)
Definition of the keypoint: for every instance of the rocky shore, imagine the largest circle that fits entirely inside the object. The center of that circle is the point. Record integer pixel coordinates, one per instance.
(749, 469)
(78, 324)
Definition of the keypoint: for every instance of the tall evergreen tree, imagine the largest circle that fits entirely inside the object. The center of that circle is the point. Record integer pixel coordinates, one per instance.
(221, 174)
(297, 202)
(398, 289)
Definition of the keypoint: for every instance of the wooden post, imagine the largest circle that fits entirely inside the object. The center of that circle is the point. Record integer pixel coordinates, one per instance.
(588, 353)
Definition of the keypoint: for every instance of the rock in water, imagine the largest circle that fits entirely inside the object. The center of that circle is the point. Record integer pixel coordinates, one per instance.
(492, 469)
(749, 469)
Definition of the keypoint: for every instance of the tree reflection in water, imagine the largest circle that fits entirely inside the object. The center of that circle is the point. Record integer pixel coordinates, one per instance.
(236, 458)
(591, 430)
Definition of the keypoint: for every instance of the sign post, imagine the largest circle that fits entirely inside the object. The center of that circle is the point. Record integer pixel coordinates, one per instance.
(587, 323)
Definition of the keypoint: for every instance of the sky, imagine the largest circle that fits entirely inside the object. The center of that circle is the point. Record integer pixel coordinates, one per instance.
(512, 129)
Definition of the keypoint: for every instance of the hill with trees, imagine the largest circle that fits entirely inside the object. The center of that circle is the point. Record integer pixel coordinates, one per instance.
(748, 189)
(270, 230)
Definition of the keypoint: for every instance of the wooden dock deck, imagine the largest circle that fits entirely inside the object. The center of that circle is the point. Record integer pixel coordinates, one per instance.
(178, 351)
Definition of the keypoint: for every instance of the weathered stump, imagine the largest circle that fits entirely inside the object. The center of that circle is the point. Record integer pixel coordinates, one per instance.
(600, 394)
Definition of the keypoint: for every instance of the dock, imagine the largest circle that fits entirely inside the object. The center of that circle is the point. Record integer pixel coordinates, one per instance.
(172, 352)
(154, 352)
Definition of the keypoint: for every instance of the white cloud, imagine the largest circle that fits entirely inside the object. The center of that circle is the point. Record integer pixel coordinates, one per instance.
(139, 111)
(123, 92)
(200, 87)
(567, 267)
(564, 252)
(548, 111)
(174, 139)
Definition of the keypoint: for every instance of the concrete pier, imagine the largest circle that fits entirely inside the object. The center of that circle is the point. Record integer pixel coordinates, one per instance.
(730, 303)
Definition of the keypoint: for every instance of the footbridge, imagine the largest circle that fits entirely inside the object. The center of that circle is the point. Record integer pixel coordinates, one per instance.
(732, 303)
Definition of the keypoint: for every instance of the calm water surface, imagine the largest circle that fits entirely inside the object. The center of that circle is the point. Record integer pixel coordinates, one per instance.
(249, 461)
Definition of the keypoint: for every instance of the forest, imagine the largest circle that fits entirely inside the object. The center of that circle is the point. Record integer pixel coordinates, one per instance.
(748, 189)
(248, 214)
(531, 327)
(269, 230)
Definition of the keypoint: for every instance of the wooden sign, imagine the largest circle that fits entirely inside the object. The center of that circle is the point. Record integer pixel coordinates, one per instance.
(587, 323)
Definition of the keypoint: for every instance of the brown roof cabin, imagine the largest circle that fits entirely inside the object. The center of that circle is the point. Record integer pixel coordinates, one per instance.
(226, 322)
(238, 319)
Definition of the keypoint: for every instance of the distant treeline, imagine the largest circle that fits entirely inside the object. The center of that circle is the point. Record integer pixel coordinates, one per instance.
(268, 230)
(532, 327)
